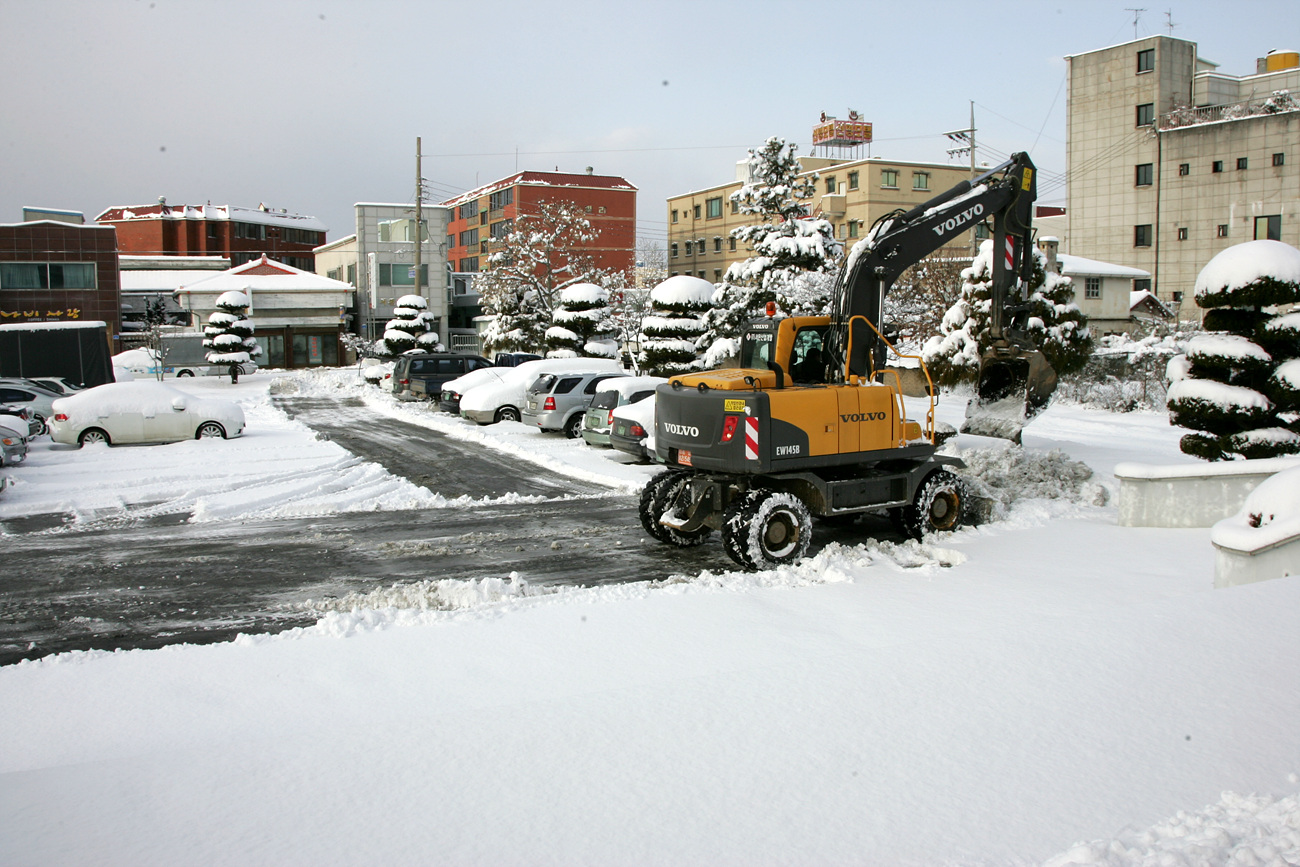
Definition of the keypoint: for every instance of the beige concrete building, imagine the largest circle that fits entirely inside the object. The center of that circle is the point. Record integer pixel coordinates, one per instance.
(1170, 160)
(851, 195)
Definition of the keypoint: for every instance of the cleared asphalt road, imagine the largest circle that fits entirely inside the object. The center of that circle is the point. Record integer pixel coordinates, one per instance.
(130, 583)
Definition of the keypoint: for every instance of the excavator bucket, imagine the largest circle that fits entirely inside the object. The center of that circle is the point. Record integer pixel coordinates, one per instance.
(1014, 386)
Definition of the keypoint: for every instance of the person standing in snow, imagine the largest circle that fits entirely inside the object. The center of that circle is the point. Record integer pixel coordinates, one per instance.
(234, 373)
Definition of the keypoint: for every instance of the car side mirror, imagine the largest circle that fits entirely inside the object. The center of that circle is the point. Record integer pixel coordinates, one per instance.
(178, 404)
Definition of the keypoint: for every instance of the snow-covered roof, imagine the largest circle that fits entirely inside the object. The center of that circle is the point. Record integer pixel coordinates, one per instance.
(1078, 266)
(233, 213)
(172, 263)
(1141, 296)
(265, 275)
(53, 326)
(550, 179)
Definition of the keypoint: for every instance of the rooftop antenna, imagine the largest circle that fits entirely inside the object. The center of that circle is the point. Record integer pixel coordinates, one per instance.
(1137, 15)
(1169, 21)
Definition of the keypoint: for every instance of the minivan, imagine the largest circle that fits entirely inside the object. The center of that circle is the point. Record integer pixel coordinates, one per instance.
(421, 376)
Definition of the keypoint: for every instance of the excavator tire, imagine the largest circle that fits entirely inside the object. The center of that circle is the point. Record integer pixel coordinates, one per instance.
(764, 528)
(940, 505)
(658, 497)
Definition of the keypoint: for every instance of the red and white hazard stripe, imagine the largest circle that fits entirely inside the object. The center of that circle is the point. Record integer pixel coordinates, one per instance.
(751, 439)
(1011, 252)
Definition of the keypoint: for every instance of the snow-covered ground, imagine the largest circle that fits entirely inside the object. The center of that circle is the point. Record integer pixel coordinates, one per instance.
(1049, 687)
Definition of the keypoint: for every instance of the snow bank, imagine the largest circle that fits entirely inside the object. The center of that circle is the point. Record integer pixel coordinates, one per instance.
(1270, 515)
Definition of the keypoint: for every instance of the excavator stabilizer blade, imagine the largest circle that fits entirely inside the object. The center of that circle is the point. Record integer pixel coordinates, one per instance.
(1014, 386)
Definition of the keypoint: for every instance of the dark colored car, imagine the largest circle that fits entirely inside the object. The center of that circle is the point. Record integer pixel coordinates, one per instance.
(421, 376)
(513, 359)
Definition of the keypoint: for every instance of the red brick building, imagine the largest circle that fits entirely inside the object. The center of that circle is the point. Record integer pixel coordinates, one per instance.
(60, 272)
(238, 234)
(608, 203)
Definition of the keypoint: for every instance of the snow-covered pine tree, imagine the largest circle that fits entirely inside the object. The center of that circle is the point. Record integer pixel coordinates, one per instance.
(582, 324)
(1055, 324)
(409, 329)
(794, 259)
(228, 336)
(672, 333)
(530, 265)
(1239, 388)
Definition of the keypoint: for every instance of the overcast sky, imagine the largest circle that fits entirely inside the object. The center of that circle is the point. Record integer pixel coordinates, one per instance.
(313, 106)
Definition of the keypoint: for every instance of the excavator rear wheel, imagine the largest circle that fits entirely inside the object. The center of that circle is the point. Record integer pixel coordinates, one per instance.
(764, 528)
(939, 506)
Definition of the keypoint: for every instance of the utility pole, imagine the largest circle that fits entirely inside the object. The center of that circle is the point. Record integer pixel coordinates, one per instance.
(965, 140)
(419, 216)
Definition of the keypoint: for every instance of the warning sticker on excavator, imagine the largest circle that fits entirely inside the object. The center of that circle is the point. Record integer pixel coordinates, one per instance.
(733, 405)
(1027, 180)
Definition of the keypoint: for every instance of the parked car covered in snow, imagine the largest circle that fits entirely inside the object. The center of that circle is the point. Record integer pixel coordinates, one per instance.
(559, 401)
(420, 376)
(13, 442)
(39, 401)
(449, 400)
(20, 419)
(633, 428)
(141, 412)
(504, 400)
(612, 394)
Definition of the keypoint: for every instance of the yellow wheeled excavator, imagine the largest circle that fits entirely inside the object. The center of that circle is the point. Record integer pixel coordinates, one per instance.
(812, 422)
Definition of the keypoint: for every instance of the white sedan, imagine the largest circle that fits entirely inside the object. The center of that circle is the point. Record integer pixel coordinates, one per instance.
(141, 412)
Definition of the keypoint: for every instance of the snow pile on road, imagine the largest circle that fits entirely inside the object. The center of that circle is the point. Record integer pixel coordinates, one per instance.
(1239, 830)
(438, 595)
(1009, 474)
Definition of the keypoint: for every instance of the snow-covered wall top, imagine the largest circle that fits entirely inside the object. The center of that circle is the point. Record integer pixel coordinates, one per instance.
(52, 326)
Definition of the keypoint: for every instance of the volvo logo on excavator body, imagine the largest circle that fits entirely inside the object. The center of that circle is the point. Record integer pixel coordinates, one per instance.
(961, 219)
(681, 430)
(863, 416)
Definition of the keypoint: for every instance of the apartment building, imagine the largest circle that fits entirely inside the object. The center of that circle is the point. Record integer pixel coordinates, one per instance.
(378, 260)
(608, 203)
(239, 234)
(60, 271)
(1170, 160)
(851, 194)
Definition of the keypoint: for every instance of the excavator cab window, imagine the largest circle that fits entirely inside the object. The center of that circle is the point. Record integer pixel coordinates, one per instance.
(807, 358)
(757, 348)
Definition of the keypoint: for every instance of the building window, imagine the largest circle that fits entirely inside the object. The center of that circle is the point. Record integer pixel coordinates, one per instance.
(1177, 297)
(1279, 159)
(1216, 166)
(717, 244)
(982, 231)
(690, 247)
(920, 180)
(735, 207)
(889, 178)
(696, 211)
(853, 228)
(1145, 175)
(853, 180)
(1182, 233)
(1142, 284)
(398, 274)
(1184, 169)
(469, 266)
(1142, 235)
(1146, 60)
(1092, 287)
(701, 274)
(1223, 230)
(501, 198)
(451, 241)
(1146, 114)
(497, 231)
(469, 238)
(47, 275)
(1241, 163)
(352, 274)
(731, 244)
(714, 207)
(830, 185)
(672, 249)
(250, 231)
(717, 275)
(674, 215)
(1268, 228)
(467, 210)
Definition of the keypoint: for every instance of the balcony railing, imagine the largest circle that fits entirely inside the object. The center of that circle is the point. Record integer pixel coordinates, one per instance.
(1279, 102)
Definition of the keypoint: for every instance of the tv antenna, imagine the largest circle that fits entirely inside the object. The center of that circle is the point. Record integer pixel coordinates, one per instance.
(1137, 15)
(1169, 21)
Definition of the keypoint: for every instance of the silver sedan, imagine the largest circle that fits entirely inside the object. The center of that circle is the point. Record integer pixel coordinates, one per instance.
(141, 412)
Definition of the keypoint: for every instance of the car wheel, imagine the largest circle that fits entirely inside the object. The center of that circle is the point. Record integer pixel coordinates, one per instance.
(45, 428)
(765, 528)
(938, 505)
(210, 429)
(573, 427)
(507, 413)
(93, 435)
(184, 373)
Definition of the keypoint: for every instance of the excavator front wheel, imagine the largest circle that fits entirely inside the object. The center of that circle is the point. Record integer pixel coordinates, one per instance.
(666, 492)
(940, 504)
